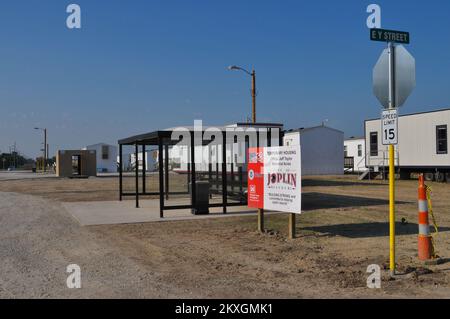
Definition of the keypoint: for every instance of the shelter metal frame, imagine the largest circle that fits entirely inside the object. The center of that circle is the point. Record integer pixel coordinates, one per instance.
(162, 139)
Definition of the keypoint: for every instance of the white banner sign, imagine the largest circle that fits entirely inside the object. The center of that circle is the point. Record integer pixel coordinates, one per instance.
(282, 179)
(389, 127)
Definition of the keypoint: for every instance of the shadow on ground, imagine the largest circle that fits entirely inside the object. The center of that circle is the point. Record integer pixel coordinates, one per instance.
(324, 182)
(367, 230)
(313, 201)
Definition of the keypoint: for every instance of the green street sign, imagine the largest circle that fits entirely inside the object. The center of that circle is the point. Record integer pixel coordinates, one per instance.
(389, 36)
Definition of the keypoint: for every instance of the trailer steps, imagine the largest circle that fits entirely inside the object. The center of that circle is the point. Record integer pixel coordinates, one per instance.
(371, 174)
(364, 175)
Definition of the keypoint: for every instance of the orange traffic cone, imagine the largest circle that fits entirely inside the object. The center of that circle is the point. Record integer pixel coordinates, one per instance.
(425, 245)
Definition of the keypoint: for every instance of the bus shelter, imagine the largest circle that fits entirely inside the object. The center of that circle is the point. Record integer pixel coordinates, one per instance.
(222, 167)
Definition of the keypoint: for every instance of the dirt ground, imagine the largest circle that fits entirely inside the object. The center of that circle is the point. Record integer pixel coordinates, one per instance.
(90, 189)
(343, 229)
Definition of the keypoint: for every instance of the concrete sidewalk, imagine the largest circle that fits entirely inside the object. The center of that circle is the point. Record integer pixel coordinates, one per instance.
(116, 212)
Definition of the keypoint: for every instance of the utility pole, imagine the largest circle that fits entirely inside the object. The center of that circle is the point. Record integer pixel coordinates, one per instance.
(260, 210)
(253, 74)
(14, 156)
(45, 150)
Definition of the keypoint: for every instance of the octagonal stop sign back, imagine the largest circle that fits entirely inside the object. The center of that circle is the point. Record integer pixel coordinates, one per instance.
(405, 76)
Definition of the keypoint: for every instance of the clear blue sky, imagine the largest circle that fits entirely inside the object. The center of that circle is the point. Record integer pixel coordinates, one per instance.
(136, 66)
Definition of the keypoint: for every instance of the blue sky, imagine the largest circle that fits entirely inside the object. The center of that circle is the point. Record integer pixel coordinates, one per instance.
(136, 66)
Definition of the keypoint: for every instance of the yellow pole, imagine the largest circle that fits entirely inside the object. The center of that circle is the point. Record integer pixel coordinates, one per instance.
(392, 208)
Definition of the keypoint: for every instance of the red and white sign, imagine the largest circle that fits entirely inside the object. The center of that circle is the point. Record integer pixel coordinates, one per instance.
(255, 193)
(274, 178)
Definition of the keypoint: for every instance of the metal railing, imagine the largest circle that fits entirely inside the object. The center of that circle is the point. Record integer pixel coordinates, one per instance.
(378, 162)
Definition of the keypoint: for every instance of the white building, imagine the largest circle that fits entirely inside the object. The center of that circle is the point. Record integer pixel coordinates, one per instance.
(354, 153)
(321, 149)
(129, 160)
(422, 145)
(235, 151)
(106, 157)
(235, 154)
(150, 160)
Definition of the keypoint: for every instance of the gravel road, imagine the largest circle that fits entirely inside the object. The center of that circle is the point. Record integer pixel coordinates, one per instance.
(38, 240)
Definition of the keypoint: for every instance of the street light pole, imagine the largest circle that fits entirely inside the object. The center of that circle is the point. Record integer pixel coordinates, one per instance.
(253, 75)
(253, 96)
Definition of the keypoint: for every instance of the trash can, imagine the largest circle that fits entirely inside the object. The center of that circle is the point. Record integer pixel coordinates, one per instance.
(201, 206)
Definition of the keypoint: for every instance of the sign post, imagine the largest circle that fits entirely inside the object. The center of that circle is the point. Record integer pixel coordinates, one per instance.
(389, 128)
(291, 226)
(391, 49)
(255, 191)
(393, 81)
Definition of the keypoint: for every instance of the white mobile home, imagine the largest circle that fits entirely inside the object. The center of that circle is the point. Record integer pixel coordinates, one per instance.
(321, 149)
(129, 160)
(106, 157)
(235, 152)
(150, 160)
(422, 145)
(354, 150)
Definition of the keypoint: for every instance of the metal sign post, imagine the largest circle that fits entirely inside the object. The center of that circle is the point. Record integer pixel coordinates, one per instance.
(394, 78)
(391, 51)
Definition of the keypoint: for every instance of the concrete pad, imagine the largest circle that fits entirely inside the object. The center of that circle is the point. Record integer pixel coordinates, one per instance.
(125, 212)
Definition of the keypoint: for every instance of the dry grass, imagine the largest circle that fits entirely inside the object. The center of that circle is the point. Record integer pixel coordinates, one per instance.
(343, 229)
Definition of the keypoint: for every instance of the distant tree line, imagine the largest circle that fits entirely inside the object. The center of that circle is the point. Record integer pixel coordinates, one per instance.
(14, 160)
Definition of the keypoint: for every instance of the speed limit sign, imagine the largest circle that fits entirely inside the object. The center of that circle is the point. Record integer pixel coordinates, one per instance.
(389, 126)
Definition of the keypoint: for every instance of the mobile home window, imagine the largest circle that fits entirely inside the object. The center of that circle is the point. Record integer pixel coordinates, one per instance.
(105, 154)
(441, 139)
(374, 144)
(359, 150)
(345, 151)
